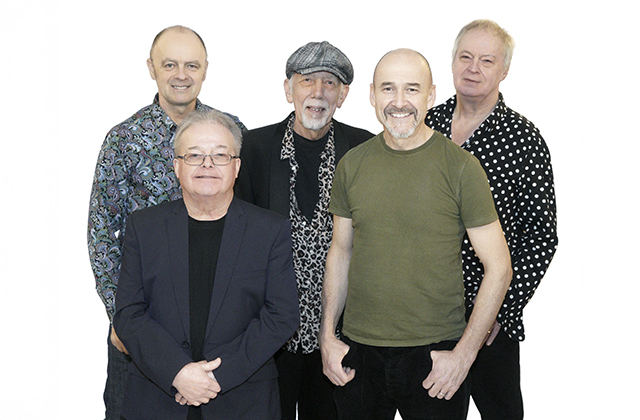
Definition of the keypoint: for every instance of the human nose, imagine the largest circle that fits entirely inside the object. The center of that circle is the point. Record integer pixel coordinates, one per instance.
(208, 161)
(399, 99)
(474, 65)
(181, 72)
(318, 89)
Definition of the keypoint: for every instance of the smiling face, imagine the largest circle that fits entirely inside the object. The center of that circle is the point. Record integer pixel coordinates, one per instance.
(178, 64)
(478, 66)
(402, 92)
(206, 183)
(315, 97)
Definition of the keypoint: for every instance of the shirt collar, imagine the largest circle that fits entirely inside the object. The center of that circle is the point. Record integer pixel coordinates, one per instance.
(161, 116)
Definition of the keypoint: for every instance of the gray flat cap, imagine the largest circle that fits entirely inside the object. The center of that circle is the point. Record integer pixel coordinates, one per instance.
(320, 56)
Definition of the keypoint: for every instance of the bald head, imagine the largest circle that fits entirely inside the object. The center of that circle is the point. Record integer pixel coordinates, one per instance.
(402, 92)
(406, 58)
(175, 29)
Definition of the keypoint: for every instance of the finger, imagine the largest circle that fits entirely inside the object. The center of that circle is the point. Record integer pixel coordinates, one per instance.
(214, 364)
(493, 334)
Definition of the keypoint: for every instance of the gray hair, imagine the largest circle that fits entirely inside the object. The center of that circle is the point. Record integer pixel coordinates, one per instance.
(210, 116)
(508, 44)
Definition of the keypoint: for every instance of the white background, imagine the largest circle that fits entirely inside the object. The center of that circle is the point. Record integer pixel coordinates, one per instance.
(71, 70)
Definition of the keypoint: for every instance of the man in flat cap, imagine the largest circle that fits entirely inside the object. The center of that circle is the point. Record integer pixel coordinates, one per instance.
(288, 167)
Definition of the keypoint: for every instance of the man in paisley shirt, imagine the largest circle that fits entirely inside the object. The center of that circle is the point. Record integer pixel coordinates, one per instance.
(135, 170)
(288, 167)
(518, 166)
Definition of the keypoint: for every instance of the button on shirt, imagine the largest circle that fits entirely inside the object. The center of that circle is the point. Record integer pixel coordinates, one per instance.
(134, 171)
(518, 165)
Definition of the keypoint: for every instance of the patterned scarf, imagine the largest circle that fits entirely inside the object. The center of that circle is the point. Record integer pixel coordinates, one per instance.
(311, 240)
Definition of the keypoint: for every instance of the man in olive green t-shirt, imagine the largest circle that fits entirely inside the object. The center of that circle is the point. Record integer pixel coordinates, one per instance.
(402, 203)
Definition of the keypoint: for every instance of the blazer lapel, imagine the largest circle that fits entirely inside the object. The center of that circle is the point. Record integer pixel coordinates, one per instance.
(177, 227)
(232, 235)
(280, 174)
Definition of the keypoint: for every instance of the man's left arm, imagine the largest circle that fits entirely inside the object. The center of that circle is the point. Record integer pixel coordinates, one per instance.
(274, 324)
(450, 368)
(534, 238)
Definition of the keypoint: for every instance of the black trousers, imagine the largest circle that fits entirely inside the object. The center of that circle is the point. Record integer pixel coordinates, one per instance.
(389, 379)
(495, 380)
(303, 384)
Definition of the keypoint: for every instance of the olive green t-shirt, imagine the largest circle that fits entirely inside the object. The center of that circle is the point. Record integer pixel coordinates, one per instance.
(409, 211)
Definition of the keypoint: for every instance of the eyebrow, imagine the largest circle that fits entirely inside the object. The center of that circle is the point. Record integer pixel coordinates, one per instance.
(216, 146)
(171, 60)
(411, 84)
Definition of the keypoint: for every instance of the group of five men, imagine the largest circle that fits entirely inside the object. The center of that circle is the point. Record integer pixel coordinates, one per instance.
(312, 270)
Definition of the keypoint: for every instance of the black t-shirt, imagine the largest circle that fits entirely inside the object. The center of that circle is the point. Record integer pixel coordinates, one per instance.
(204, 246)
(308, 157)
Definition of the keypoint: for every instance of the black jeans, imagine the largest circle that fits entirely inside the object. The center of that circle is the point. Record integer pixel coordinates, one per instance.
(389, 379)
(303, 384)
(495, 380)
(117, 374)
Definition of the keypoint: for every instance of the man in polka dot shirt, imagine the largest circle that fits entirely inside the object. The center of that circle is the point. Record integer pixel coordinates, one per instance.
(518, 166)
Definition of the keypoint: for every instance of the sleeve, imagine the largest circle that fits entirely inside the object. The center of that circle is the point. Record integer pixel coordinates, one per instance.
(339, 203)
(476, 202)
(275, 323)
(107, 216)
(535, 239)
(155, 352)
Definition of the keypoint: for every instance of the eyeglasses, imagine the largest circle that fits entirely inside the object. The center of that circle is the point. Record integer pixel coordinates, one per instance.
(197, 159)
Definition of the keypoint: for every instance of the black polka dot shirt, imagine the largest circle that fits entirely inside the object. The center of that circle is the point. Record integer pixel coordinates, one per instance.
(518, 165)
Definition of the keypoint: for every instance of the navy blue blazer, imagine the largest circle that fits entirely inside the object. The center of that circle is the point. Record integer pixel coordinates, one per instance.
(254, 311)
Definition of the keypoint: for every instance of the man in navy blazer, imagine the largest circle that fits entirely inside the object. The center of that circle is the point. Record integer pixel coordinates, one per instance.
(207, 292)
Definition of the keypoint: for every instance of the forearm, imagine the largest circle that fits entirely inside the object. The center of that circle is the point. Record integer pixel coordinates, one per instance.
(334, 290)
(485, 311)
(491, 248)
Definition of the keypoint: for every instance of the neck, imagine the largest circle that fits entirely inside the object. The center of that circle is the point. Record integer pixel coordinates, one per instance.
(420, 136)
(310, 134)
(177, 113)
(208, 208)
(473, 108)
(468, 115)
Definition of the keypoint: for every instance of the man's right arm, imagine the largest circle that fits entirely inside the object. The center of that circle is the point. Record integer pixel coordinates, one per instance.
(107, 207)
(334, 297)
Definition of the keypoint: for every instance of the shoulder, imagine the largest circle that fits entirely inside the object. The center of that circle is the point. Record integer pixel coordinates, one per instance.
(257, 215)
(264, 134)
(456, 157)
(133, 122)
(442, 111)
(201, 106)
(153, 213)
(354, 135)
(361, 151)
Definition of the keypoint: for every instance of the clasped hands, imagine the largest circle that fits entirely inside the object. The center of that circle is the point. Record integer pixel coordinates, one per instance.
(196, 383)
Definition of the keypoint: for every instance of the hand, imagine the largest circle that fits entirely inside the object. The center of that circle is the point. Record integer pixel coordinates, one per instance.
(116, 342)
(493, 332)
(196, 383)
(447, 374)
(333, 351)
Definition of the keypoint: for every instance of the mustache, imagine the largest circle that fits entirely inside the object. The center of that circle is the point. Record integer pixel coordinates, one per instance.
(407, 109)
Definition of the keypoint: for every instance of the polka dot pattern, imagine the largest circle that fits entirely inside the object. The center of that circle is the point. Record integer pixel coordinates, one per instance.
(518, 166)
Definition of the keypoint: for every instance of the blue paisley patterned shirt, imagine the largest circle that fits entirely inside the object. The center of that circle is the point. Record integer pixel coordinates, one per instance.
(134, 171)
